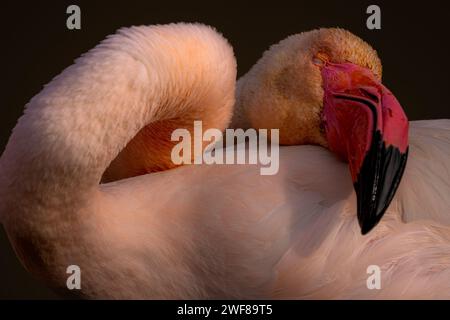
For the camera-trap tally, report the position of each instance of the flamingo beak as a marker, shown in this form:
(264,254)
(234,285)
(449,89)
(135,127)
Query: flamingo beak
(366,126)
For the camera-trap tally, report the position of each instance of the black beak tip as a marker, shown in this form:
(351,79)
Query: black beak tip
(365,229)
(368,220)
(377,183)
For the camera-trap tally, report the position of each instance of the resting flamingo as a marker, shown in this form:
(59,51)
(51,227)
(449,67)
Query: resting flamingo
(225,231)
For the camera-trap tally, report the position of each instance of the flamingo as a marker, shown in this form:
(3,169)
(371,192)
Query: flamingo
(84,177)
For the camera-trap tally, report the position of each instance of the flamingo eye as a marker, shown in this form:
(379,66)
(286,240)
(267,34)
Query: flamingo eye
(318,62)
(320,59)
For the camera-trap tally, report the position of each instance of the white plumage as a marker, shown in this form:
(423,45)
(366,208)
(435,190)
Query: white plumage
(205,231)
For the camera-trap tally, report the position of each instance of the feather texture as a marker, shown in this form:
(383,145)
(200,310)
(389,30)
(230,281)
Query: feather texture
(205,231)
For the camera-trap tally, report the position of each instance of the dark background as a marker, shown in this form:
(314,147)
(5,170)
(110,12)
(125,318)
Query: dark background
(36,46)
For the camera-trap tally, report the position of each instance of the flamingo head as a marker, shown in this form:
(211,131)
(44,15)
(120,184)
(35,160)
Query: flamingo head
(324,87)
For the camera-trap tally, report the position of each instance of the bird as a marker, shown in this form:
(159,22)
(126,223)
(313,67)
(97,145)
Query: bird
(86,177)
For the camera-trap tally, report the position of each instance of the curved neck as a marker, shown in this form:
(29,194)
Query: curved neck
(75,127)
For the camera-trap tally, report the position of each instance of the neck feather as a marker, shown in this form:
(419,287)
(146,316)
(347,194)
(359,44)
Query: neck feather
(73,129)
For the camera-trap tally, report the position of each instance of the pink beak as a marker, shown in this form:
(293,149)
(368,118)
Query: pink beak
(366,126)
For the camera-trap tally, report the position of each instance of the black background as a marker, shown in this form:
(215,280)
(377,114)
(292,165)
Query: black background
(36,46)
